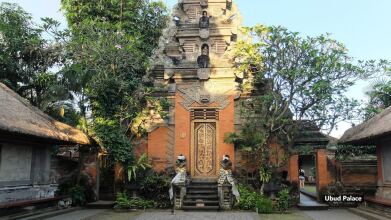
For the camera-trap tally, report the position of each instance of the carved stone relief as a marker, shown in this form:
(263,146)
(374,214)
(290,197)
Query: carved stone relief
(195,94)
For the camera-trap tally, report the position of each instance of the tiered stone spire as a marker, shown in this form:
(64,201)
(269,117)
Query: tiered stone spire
(196,47)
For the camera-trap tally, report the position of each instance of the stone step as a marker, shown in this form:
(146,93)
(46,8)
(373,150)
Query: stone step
(202,187)
(101,205)
(199,191)
(201,196)
(203,181)
(195,208)
(302,206)
(309,203)
(206,202)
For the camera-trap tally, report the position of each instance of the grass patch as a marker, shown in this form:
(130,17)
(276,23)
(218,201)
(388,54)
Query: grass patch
(310,188)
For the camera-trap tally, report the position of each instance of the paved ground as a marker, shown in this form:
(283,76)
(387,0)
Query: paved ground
(79,214)
(308,201)
(332,214)
(93,214)
(198,216)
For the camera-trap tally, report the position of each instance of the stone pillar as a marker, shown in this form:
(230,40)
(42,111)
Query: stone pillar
(293,177)
(321,172)
(379,166)
(293,169)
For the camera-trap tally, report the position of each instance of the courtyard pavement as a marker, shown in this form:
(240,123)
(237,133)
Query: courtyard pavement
(94,214)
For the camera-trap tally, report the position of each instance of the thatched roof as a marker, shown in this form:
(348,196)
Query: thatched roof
(19,117)
(374,128)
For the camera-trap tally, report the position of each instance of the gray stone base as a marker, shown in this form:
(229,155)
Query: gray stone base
(384,192)
(26,193)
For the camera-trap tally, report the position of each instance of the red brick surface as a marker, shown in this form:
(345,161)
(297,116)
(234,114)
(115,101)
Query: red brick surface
(322,177)
(157,148)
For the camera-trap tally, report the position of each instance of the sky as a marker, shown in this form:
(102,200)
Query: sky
(362,25)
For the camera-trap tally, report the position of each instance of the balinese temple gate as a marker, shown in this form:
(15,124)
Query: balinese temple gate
(194,69)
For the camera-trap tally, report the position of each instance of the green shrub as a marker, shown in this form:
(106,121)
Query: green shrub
(345,152)
(78,196)
(248,198)
(155,187)
(283,200)
(264,205)
(251,200)
(124,202)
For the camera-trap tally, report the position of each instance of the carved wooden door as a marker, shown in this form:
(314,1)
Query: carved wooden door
(204,149)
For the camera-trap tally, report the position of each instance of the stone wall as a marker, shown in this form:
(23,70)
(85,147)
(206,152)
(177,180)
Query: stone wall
(15,163)
(384,164)
(25,172)
(358,173)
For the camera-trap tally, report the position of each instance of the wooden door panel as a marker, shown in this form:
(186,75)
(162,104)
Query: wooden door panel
(205,149)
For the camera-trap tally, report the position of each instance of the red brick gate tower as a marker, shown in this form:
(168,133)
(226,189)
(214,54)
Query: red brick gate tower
(194,71)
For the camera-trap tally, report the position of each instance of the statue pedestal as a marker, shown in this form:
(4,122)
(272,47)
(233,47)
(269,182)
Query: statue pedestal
(226,199)
(203,73)
(204,33)
(179,195)
(172,88)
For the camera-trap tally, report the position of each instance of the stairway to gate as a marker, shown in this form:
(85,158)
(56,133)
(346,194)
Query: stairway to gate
(201,194)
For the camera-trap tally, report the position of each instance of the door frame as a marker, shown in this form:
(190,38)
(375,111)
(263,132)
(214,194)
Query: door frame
(192,146)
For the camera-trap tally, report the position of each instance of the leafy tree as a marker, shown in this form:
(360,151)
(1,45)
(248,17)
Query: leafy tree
(142,20)
(379,97)
(292,78)
(29,57)
(108,50)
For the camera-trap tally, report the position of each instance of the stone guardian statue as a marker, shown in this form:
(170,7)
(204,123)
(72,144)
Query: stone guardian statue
(204,60)
(225,175)
(180,177)
(204,20)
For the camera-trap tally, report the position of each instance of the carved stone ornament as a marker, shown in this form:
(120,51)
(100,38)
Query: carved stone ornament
(204,3)
(204,33)
(203,73)
(196,94)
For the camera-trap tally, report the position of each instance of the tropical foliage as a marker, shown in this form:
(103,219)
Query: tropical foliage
(138,166)
(345,152)
(292,79)
(28,55)
(109,46)
(251,200)
(124,202)
(379,96)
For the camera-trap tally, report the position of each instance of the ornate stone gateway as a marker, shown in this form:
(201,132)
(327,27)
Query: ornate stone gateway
(194,70)
(204,163)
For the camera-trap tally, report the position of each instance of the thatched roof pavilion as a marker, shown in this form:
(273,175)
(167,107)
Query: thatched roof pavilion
(367,133)
(19,119)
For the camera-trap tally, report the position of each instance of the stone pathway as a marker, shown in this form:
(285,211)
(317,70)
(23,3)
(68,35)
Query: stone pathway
(180,215)
(331,214)
(94,214)
(309,203)
(78,215)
